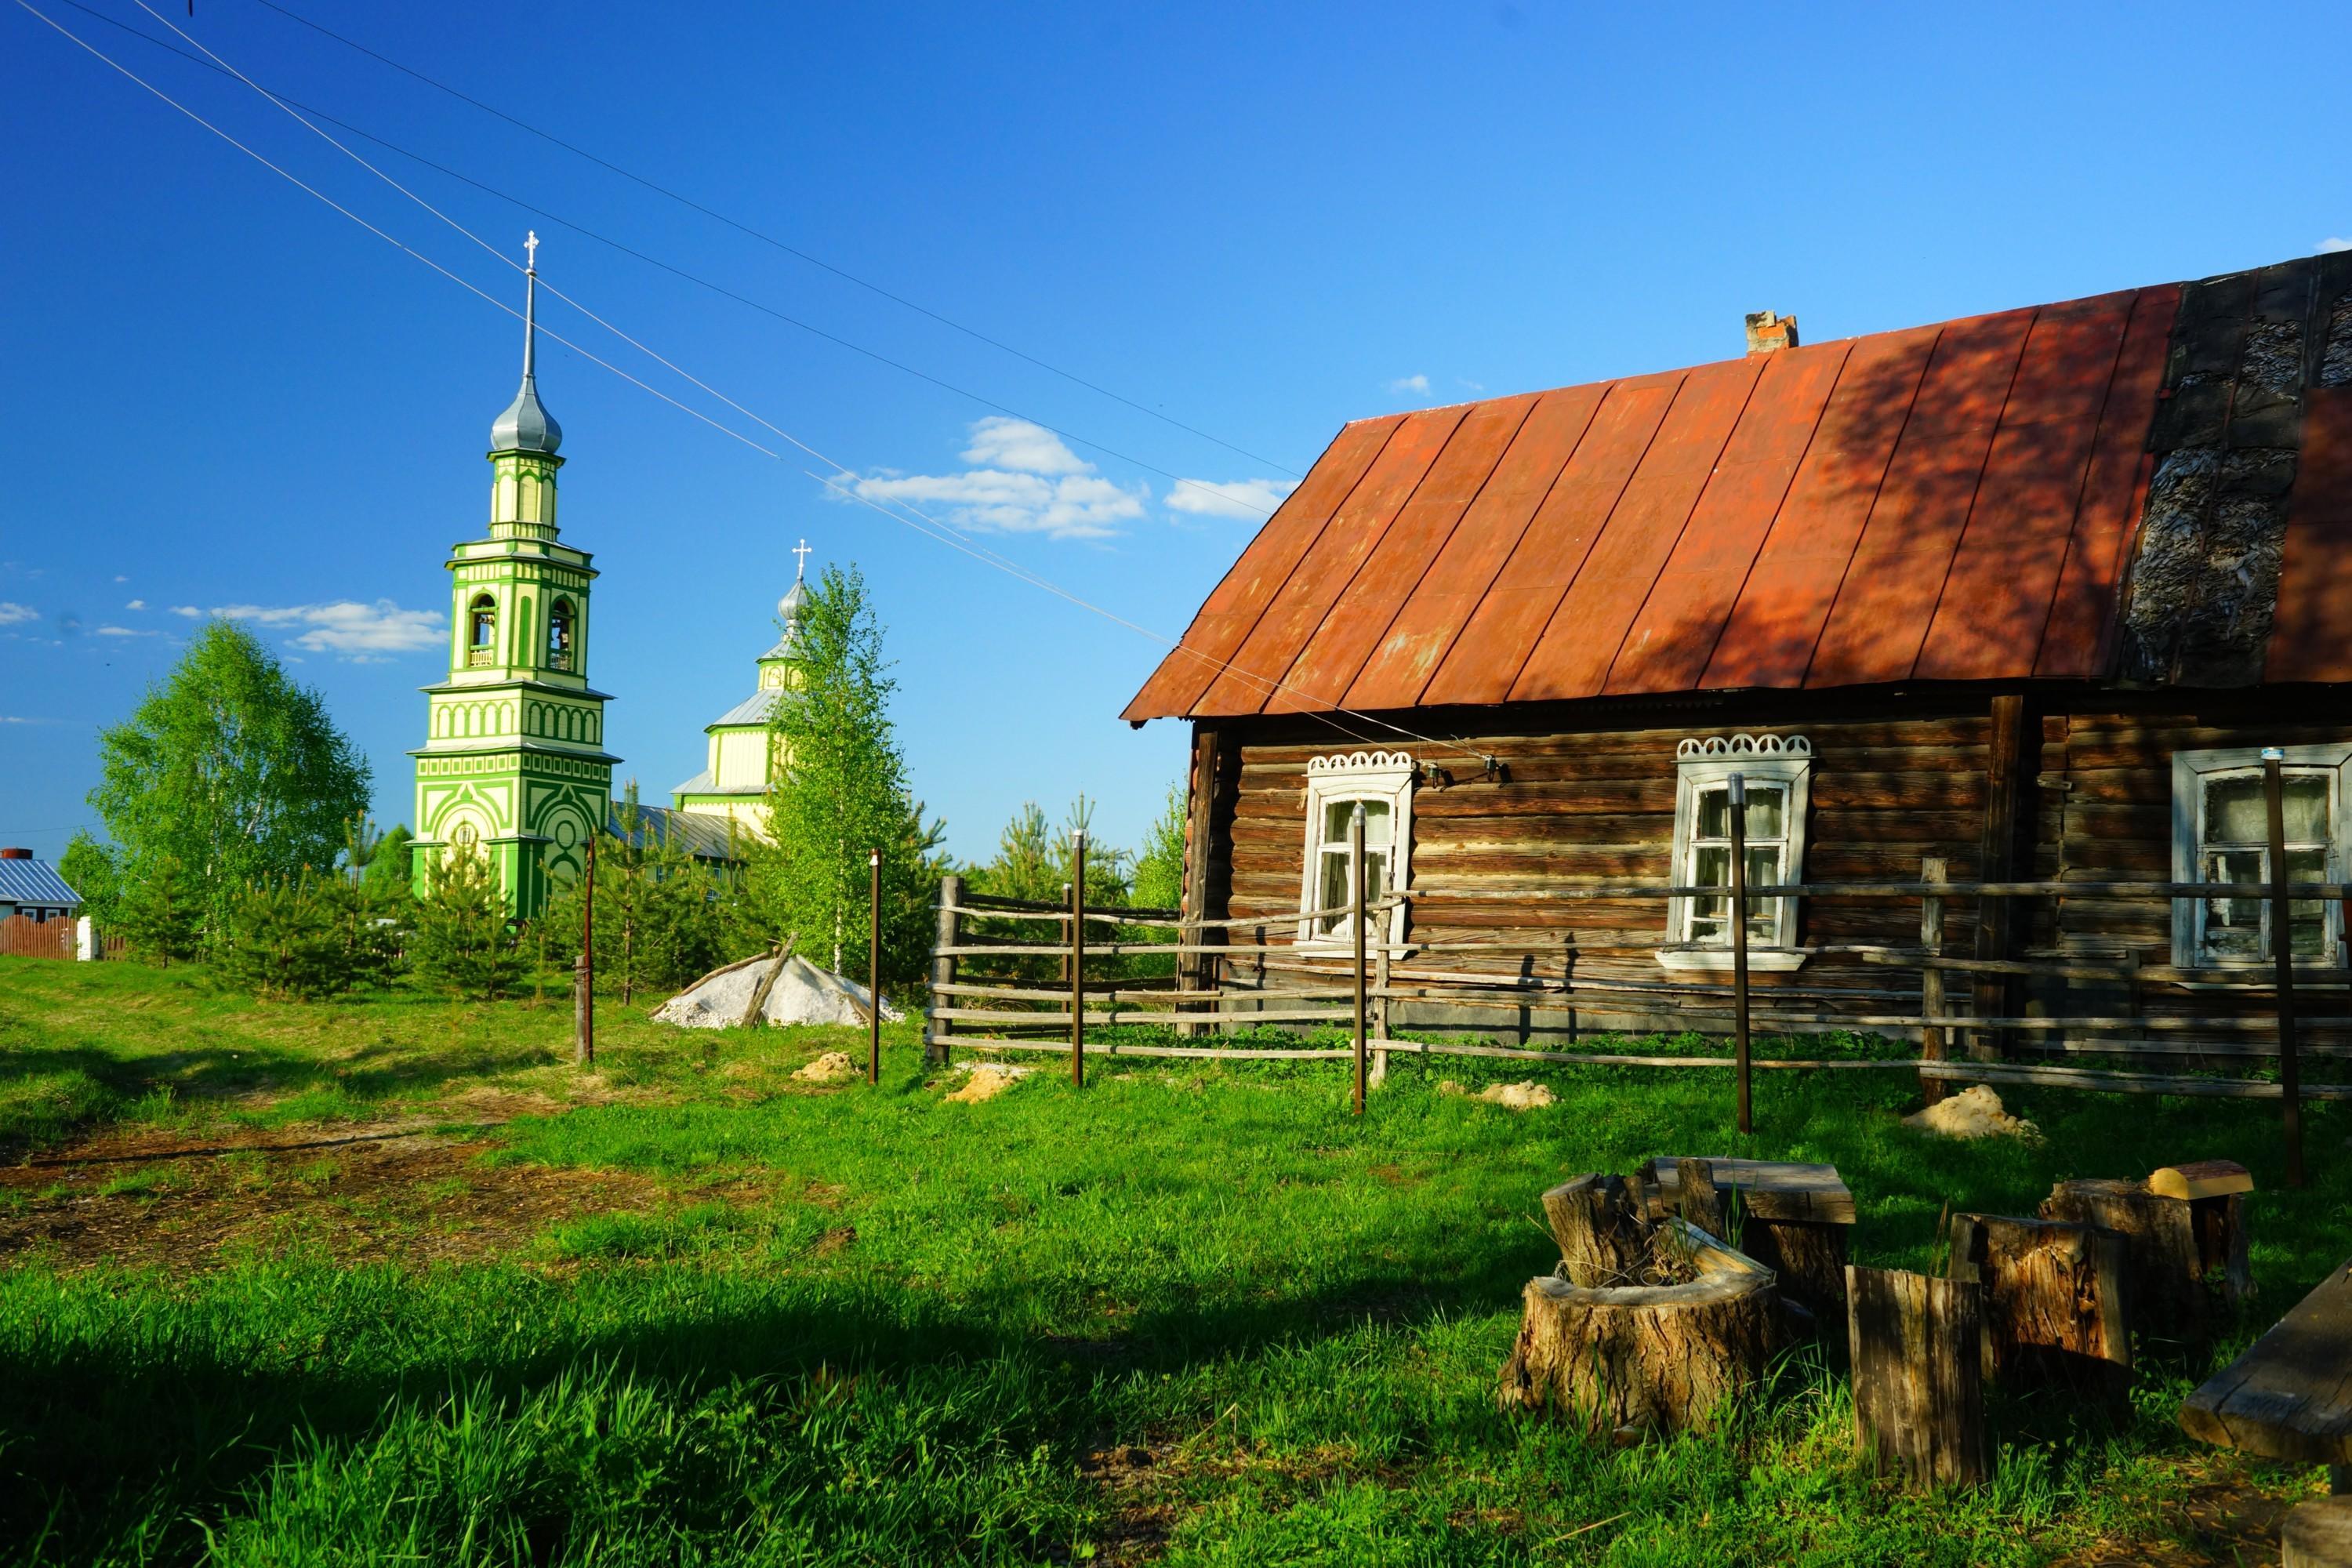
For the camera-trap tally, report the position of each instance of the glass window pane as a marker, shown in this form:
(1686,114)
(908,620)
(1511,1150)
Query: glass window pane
(1376,822)
(2234,812)
(1708,920)
(2307,919)
(1767,810)
(2305,802)
(1714,813)
(1334,891)
(2233,926)
(1711,865)
(1336,814)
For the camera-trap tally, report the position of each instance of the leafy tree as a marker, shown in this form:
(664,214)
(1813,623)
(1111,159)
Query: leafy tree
(1033,861)
(229,769)
(389,870)
(462,940)
(89,869)
(1160,866)
(839,790)
(159,913)
(283,939)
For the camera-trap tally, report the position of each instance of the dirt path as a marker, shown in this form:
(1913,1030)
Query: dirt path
(401,1191)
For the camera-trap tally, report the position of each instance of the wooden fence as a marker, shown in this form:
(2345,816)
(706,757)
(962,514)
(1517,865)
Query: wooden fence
(2234,1032)
(22,937)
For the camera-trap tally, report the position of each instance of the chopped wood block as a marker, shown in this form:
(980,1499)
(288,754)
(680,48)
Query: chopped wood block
(1919,1384)
(2054,1302)
(2290,1395)
(2317,1534)
(1791,1217)
(2187,1256)
(2202,1179)
(1769,1189)
(1654,1357)
(1698,1197)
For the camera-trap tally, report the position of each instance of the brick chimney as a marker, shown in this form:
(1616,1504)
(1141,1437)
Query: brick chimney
(1770,332)
(15,855)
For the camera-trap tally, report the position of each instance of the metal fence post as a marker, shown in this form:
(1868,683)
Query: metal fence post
(1356,870)
(2283,958)
(1738,794)
(584,1007)
(1078,959)
(1932,872)
(874,972)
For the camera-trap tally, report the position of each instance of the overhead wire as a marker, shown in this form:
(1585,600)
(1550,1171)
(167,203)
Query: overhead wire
(765,239)
(937,530)
(1221,496)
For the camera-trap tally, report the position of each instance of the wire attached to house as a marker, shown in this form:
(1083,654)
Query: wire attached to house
(817,261)
(930,527)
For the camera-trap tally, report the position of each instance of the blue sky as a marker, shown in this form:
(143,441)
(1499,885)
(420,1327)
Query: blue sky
(1260,222)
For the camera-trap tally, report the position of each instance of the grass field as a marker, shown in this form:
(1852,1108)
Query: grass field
(390,1280)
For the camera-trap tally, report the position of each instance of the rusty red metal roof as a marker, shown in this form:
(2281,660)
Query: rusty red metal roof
(1949,502)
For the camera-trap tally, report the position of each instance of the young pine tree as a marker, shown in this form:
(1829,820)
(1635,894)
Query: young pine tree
(280,939)
(462,941)
(159,913)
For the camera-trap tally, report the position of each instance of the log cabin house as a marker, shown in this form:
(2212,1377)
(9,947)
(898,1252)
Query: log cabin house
(2026,593)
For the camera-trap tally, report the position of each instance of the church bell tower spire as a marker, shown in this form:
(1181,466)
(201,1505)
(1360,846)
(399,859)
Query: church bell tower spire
(515,766)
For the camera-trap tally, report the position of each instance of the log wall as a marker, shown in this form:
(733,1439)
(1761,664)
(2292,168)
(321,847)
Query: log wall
(1897,778)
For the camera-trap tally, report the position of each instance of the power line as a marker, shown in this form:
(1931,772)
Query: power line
(942,533)
(219,67)
(769,239)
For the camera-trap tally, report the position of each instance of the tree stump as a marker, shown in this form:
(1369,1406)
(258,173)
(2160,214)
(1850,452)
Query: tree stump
(1664,1357)
(1918,1388)
(2055,1300)
(2317,1534)
(2188,1255)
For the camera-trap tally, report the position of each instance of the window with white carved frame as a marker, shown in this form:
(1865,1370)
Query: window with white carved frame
(2221,832)
(1382,783)
(1777,772)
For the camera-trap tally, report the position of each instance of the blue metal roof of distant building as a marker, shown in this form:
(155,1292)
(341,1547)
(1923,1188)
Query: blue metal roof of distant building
(35,882)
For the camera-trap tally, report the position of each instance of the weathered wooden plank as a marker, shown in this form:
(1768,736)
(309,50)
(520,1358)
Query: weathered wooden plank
(1918,1390)
(2055,1299)
(2290,1395)
(1769,1189)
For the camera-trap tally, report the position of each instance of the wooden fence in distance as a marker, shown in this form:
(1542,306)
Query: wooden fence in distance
(21,937)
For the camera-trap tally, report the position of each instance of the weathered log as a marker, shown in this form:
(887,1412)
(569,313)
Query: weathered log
(1661,1357)
(1600,1226)
(2201,1178)
(2056,1303)
(2317,1534)
(2288,1396)
(2187,1256)
(1919,1382)
(1701,1205)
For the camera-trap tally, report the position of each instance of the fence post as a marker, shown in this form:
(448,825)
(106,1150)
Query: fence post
(2282,959)
(583,1019)
(1932,872)
(945,936)
(1363,918)
(1380,961)
(874,973)
(1737,790)
(1078,959)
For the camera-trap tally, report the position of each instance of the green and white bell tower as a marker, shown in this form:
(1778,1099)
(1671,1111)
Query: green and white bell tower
(515,765)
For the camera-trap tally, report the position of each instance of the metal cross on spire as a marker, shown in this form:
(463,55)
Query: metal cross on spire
(531,250)
(803,551)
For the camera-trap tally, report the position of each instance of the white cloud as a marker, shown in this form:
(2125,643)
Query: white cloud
(1410,383)
(2333,242)
(122,579)
(1473,385)
(12,614)
(1251,501)
(1001,442)
(136,604)
(1028,481)
(188,610)
(356,631)
(122,632)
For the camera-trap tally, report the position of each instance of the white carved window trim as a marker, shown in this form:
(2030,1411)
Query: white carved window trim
(2190,770)
(1384,776)
(1703,763)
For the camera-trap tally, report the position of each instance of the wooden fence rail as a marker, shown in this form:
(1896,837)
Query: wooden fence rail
(1352,976)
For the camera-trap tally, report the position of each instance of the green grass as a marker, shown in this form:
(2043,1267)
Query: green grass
(1192,1314)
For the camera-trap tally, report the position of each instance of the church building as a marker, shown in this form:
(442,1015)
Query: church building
(514,765)
(734,787)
